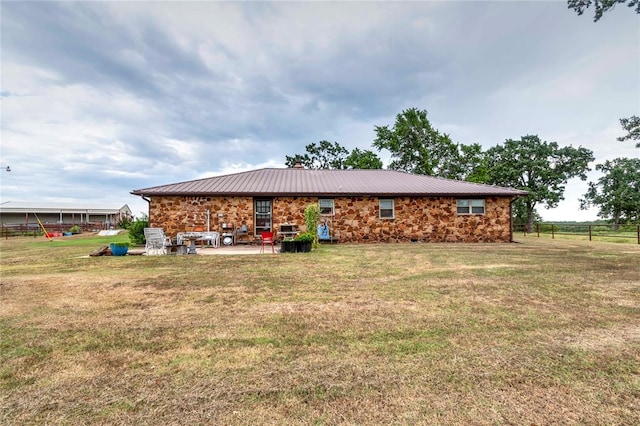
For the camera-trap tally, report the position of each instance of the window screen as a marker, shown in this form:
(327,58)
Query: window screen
(472,206)
(326,206)
(386,209)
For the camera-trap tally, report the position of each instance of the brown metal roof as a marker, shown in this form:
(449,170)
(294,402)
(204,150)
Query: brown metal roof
(306,182)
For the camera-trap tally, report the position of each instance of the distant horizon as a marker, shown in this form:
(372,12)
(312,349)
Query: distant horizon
(137,211)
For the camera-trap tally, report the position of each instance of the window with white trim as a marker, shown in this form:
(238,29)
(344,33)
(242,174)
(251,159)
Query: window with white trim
(326,206)
(386,209)
(471,206)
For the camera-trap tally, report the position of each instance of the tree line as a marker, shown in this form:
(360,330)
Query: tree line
(542,168)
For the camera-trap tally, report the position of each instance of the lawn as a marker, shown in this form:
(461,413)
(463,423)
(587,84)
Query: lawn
(536,332)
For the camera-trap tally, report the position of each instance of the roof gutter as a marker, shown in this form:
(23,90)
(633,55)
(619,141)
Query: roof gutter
(328,194)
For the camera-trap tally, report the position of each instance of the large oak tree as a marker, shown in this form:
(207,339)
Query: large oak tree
(327,155)
(417,147)
(617,192)
(359,159)
(539,167)
(323,155)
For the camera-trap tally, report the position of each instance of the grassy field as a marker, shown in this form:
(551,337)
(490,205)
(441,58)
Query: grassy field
(537,332)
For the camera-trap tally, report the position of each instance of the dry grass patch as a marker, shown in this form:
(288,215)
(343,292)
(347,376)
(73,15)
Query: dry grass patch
(606,339)
(539,332)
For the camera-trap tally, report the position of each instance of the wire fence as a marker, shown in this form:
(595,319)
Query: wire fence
(607,232)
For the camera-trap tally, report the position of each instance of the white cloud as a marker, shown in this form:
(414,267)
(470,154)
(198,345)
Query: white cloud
(102,98)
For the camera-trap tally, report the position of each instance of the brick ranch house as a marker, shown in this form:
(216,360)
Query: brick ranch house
(358,205)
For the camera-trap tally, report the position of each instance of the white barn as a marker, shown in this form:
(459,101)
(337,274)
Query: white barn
(24,213)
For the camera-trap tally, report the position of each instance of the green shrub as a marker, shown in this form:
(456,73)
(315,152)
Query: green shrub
(75,229)
(305,237)
(136,230)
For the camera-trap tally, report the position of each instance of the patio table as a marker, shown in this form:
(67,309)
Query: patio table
(191,238)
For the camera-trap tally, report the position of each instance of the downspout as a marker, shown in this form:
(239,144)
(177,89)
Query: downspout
(148,200)
(511,218)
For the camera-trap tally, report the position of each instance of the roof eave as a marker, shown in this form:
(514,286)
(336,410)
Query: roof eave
(327,194)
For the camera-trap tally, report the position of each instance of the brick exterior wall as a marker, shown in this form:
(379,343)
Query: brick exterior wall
(356,219)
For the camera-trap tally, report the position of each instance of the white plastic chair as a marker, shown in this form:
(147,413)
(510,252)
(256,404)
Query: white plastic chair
(179,237)
(156,241)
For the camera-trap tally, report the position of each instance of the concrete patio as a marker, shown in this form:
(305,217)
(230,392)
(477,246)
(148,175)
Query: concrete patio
(234,250)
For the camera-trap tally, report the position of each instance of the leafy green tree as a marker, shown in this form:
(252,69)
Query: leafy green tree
(366,159)
(617,193)
(632,126)
(600,6)
(124,222)
(473,163)
(324,155)
(416,147)
(539,167)
(302,159)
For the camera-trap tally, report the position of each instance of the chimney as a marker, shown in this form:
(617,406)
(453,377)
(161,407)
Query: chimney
(298,165)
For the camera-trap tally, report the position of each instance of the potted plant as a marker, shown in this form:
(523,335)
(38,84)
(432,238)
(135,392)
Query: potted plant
(287,246)
(119,249)
(303,242)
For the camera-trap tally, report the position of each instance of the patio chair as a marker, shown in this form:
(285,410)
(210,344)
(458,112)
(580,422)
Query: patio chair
(179,239)
(267,239)
(212,237)
(156,241)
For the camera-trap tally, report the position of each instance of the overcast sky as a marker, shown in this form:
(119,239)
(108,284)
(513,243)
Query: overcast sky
(101,98)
